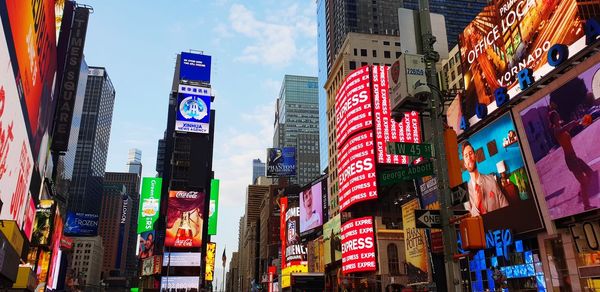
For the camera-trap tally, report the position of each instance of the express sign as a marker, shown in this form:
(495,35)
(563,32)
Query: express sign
(357,176)
(358,246)
(353,105)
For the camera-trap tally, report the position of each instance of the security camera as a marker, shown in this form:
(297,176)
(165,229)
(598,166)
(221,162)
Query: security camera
(422,93)
(398,116)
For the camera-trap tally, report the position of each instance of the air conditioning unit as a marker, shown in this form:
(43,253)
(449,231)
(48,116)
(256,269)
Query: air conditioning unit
(408,83)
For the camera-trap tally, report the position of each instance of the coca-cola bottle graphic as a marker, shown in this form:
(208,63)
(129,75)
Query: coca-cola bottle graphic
(184,232)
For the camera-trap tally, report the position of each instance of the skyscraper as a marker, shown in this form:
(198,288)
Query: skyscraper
(297,124)
(258,169)
(134,161)
(85,193)
(114,228)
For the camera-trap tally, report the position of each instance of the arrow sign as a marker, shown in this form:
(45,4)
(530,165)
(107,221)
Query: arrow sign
(428,219)
(410,149)
(459,194)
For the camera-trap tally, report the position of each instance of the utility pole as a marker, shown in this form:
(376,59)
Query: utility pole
(437,106)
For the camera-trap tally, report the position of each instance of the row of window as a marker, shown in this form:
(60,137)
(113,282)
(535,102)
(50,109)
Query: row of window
(386,54)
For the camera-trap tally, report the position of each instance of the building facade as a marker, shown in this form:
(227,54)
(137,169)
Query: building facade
(85,193)
(258,169)
(114,228)
(87,253)
(134,161)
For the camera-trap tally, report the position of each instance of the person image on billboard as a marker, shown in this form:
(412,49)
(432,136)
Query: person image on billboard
(146,245)
(485,195)
(310,217)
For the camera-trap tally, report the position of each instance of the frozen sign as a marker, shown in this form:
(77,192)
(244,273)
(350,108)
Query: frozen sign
(193,109)
(358,246)
(353,105)
(357,176)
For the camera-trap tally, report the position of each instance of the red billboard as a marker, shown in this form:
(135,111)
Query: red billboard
(386,129)
(353,105)
(185,219)
(358,246)
(357,178)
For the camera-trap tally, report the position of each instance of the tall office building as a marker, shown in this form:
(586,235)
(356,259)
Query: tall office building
(297,124)
(258,169)
(114,229)
(134,161)
(85,190)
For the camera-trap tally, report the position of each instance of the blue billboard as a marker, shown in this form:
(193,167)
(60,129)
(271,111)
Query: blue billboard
(281,161)
(81,224)
(193,109)
(194,67)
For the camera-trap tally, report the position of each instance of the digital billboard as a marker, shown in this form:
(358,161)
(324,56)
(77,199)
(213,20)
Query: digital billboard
(81,224)
(56,252)
(509,36)
(353,105)
(209,271)
(179,284)
(281,161)
(332,241)
(146,246)
(33,45)
(185,219)
(358,246)
(44,220)
(295,250)
(357,178)
(561,129)
(193,109)
(182,259)
(213,207)
(283,206)
(386,129)
(312,207)
(194,67)
(29,218)
(415,245)
(149,203)
(498,183)
(16,160)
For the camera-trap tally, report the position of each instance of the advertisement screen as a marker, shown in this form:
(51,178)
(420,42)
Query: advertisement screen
(353,105)
(181,259)
(295,250)
(415,245)
(358,246)
(509,36)
(311,207)
(561,129)
(149,203)
(56,253)
(213,208)
(16,160)
(179,284)
(146,247)
(29,219)
(281,161)
(44,220)
(283,206)
(357,176)
(386,129)
(332,241)
(81,224)
(498,184)
(209,271)
(194,67)
(185,219)
(193,109)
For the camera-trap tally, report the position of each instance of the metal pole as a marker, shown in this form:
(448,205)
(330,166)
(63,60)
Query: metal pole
(436,105)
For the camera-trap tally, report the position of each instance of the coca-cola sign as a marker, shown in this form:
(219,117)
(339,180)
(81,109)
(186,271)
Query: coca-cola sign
(186,195)
(185,216)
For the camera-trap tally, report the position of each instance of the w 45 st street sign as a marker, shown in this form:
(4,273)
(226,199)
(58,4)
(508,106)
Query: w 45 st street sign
(405,173)
(410,149)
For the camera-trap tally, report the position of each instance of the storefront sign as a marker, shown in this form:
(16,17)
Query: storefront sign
(586,236)
(358,246)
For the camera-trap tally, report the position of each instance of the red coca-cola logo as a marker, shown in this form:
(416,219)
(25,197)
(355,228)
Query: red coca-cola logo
(183,242)
(186,195)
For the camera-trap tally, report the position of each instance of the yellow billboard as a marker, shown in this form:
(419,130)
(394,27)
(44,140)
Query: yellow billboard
(287,272)
(211,247)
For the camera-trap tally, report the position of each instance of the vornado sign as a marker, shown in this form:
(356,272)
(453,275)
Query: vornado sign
(70,78)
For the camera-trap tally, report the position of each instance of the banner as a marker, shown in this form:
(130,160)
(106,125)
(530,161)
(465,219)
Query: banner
(332,241)
(358,246)
(281,161)
(353,105)
(81,224)
(283,206)
(44,220)
(149,203)
(209,271)
(295,250)
(415,245)
(357,178)
(213,208)
(194,67)
(185,219)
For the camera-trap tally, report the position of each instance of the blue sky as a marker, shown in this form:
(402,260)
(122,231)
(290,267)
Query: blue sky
(253,44)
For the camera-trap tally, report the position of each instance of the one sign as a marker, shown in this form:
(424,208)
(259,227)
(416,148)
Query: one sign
(410,149)
(81,224)
(209,271)
(358,246)
(213,208)
(184,219)
(459,194)
(193,109)
(406,173)
(428,218)
(281,161)
(194,67)
(357,177)
(149,203)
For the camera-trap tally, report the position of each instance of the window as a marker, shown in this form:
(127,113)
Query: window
(374,53)
(363,64)
(355,52)
(398,54)
(393,261)
(387,54)
(363,52)
(386,43)
(397,44)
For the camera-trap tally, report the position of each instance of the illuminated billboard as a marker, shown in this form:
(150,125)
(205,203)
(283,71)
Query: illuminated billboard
(193,109)
(415,245)
(185,219)
(332,241)
(561,129)
(182,259)
(497,180)
(295,250)
(357,178)
(56,252)
(16,160)
(312,207)
(44,220)
(81,224)
(194,67)
(353,105)
(213,207)
(358,246)
(509,36)
(209,271)
(281,161)
(146,246)
(149,203)
(179,284)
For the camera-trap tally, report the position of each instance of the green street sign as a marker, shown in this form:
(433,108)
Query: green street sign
(406,173)
(410,149)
